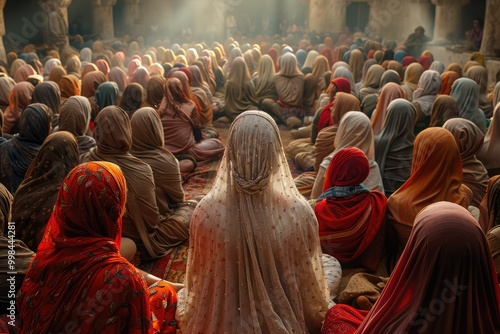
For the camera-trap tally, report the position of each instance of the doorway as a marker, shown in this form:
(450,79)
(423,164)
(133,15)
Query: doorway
(358,15)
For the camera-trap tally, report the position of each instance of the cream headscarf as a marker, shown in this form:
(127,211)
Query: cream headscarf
(254,263)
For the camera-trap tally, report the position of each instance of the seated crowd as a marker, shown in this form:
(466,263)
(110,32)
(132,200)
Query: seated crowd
(392,224)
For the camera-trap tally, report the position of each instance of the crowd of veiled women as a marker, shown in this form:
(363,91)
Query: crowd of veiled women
(391,225)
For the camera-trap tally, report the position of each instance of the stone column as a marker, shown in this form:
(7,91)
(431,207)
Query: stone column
(491,32)
(103,18)
(448,20)
(3,55)
(131,17)
(63,9)
(327,15)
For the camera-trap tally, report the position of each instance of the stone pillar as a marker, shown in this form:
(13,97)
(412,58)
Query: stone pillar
(63,9)
(327,15)
(448,20)
(103,18)
(3,55)
(491,32)
(131,16)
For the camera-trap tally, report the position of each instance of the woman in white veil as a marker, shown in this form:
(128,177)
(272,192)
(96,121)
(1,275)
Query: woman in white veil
(254,262)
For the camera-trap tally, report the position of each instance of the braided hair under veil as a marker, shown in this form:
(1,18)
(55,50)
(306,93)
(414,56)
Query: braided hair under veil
(254,263)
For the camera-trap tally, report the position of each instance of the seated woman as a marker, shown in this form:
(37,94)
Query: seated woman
(444,108)
(78,280)
(19,98)
(480,75)
(142,222)
(427,293)
(23,254)
(241,258)
(469,141)
(133,98)
(148,145)
(75,118)
(302,150)
(202,93)
(493,237)
(489,208)
(35,124)
(106,95)
(394,145)
(389,92)
(314,84)
(181,126)
(240,90)
(70,86)
(204,112)
(354,130)
(351,218)
(491,146)
(289,83)
(412,76)
(372,82)
(436,175)
(466,92)
(155,92)
(448,78)
(424,97)
(265,88)
(36,196)
(49,93)
(324,145)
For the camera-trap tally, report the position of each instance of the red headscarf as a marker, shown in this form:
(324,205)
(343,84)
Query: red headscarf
(343,86)
(425,62)
(78,279)
(327,53)
(103,66)
(132,66)
(409,60)
(351,228)
(448,78)
(274,55)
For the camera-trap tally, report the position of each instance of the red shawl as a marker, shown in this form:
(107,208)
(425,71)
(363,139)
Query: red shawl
(445,282)
(351,228)
(78,280)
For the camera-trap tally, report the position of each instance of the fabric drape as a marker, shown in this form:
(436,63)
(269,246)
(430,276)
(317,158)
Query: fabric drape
(37,194)
(435,154)
(235,232)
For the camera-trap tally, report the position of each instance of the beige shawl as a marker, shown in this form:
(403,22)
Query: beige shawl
(141,221)
(254,267)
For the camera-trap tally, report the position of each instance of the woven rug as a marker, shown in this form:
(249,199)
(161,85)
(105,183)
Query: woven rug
(171,267)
